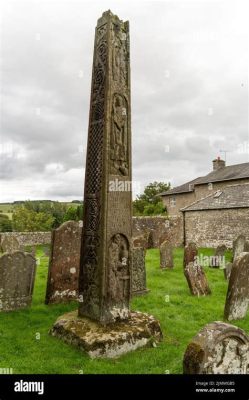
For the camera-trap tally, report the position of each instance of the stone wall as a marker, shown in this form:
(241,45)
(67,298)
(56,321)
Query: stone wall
(158,228)
(29,238)
(211,228)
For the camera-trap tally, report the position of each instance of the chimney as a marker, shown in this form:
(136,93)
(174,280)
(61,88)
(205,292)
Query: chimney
(218,164)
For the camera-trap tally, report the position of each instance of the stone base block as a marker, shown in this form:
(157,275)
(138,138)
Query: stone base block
(108,341)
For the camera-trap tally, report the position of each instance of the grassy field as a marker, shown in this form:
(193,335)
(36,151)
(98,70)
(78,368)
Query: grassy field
(26,347)
(8,208)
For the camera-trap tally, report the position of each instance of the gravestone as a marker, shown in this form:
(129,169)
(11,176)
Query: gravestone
(190,253)
(10,244)
(17,276)
(218,260)
(196,279)
(227,270)
(138,271)
(220,250)
(246,247)
(64,264)
(166,255)
(219,348)
(104,326)
(140,241)
(237,299)
(238,246)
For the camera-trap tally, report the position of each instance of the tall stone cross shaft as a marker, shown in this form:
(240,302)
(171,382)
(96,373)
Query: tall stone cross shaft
(105,270)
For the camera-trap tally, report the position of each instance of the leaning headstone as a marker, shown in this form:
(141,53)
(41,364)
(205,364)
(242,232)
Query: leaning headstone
(10,244)
(64,264)
(237,299)
(17,276)
(190,253)
(104,326)
(138,271)
(196,279)
(219,348)
(238,246)
(166,255)
(227,270)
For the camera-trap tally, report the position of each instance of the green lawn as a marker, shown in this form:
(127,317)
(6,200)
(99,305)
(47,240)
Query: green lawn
(181,316)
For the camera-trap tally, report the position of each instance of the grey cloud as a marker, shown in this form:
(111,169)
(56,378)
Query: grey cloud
(189,90)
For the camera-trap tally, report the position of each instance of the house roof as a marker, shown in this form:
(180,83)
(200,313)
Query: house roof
(232,196)
(231,172)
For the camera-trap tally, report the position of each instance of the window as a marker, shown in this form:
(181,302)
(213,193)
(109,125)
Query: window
(191,187)
(173,201)
(210,186)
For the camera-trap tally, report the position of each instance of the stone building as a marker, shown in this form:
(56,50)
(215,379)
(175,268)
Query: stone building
(192,191)
(218,218)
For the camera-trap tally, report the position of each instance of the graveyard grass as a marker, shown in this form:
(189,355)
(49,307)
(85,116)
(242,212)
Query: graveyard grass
(26,347)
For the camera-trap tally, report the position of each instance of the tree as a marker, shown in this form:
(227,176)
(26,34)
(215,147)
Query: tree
(5,223)
(27,220)
(55,209)
(150,203)
(73,214)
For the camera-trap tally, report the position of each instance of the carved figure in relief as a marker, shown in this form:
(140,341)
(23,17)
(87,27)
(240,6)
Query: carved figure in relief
(119,268)
(119,69)
(119,136)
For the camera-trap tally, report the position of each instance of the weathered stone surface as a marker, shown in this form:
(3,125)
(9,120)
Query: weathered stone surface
(166,255)
(220,250)
(108,341)
(213,227)
(106,255)
(190,254)
(9,244)
(64,265)
(218,260)
(237,299)
(141,241)
(238,246)
(17,276)
(227,270)
(29,238)
(105,326)
(196,279)
(219,348)
(246,247)
(138,271)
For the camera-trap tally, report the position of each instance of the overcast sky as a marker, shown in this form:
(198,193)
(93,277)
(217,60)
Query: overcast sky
(189,76)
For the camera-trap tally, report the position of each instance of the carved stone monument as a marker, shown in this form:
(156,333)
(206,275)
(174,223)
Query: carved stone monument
(166,255)
(237,300)
(106,256)
(218,348)
(196,279)
(138,271)
(64,265)
(17,276)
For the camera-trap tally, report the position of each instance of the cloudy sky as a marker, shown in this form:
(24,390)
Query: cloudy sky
(189,66)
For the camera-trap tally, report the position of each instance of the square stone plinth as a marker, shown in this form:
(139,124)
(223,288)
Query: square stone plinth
(108,341)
